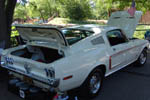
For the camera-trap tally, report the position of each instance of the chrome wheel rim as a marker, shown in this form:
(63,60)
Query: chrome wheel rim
(95,83)
(142,58)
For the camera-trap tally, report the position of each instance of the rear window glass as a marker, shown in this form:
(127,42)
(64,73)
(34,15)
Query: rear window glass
(75,35)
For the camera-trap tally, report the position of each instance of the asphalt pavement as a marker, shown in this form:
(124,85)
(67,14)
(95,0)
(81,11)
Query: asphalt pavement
(130,83)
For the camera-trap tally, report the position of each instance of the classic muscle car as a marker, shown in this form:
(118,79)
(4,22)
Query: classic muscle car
(76,57)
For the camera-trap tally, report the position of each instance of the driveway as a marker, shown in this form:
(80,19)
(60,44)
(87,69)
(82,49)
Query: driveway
(130,83)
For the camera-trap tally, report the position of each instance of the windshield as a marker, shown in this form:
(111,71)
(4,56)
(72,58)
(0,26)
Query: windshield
(75,35)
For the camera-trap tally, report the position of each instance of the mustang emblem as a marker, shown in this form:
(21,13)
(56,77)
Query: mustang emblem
(27,68)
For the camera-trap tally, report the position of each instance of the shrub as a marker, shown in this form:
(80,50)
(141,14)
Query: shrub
(77,9)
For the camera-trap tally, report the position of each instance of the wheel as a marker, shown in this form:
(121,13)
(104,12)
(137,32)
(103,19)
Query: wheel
(92,86)
(142,58)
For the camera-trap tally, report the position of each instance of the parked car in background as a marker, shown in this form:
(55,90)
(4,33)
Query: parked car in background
(75,57)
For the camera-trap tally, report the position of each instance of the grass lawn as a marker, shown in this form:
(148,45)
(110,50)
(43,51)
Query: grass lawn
(59,21)
(141,31)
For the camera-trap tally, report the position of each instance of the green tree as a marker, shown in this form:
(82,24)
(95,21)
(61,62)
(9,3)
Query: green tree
(76,9)
(20,11)
(142,5)
(42,8)
(100,9)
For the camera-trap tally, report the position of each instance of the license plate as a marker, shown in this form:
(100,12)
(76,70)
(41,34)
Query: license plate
(22,94)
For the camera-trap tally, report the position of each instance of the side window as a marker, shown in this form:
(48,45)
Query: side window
(115,37)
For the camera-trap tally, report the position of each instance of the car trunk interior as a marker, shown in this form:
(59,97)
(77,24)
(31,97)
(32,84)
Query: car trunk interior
(40,54)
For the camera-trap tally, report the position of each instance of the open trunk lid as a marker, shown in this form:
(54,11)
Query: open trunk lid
(42,34)
(123,20)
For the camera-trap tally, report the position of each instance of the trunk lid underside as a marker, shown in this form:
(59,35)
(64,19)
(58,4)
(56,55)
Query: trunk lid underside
(42,35)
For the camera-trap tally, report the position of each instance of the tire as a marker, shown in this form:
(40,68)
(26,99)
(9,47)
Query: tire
(142,58)
(92,86)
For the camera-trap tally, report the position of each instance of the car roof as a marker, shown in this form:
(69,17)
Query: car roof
(91,27)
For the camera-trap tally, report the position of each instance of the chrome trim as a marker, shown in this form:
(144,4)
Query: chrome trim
(142,58)
(95,83)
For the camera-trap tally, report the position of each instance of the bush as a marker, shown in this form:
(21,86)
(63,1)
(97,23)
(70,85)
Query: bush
(77,9)
(139,34)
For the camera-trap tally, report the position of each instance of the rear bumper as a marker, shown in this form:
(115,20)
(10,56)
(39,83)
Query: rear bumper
(52,82)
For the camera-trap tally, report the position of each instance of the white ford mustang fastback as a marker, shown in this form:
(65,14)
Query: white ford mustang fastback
(76,57)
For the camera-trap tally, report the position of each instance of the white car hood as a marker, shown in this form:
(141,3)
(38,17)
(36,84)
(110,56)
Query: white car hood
(42,34)
(123,20)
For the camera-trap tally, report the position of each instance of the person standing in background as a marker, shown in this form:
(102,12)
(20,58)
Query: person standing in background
(147,35)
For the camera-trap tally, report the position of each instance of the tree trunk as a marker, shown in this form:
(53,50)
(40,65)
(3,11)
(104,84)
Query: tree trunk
(3,25)
(9,16)
(41,15)
(6,17)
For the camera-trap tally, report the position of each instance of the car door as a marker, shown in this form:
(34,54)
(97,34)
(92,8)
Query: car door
(118,51)
(132,52)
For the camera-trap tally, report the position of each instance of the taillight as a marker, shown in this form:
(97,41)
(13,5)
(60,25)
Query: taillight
(0,54)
